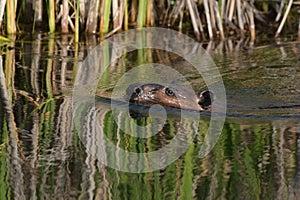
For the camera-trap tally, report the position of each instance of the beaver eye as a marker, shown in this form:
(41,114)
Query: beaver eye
(169,92)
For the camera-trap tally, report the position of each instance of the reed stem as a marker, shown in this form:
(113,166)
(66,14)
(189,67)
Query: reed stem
(105,18)
(288,8)
(240,16)
(115,13)
(141,20)
(149,13)
(65,15)
(193,17)
(219,21)
(77,4)
(11,17)
(209,27)
(38,11)
(125,15)
(92,20)
(133,11)
(251,22)
(51,15)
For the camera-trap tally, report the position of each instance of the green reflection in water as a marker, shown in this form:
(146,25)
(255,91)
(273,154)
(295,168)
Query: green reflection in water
(253,159)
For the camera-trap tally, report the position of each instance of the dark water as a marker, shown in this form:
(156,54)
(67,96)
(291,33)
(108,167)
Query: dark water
(45,154)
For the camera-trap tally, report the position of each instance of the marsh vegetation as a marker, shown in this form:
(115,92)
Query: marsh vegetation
(205,19)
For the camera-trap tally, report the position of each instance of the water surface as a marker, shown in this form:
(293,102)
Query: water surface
(42,154)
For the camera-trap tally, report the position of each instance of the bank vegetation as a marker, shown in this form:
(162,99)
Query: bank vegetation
(206,19)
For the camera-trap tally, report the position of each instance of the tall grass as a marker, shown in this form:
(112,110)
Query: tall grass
(207,18)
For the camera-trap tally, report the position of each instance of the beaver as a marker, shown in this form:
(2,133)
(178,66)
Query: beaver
(175,96)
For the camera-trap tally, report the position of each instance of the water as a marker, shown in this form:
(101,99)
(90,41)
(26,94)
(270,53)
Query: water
(43,155)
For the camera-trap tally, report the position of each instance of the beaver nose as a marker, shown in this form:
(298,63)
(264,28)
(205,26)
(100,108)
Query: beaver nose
(206,98)
(138,91)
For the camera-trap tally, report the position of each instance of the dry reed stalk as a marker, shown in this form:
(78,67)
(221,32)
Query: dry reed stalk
(149,13)
(208,21)
(59,15)
(133,11)
(198,19)
(118,21)
(193,17)
(211,4)
(72,26)
(82,8)
(231,9)
(38,11)
(65,15)
(179,5)
(240,16)
(250,14)
(180,20)
(219,21)
(2,7)
(125,15)
(165,11)
(161,14)
(288,8)
(92,19)
(115,13)
(280,10)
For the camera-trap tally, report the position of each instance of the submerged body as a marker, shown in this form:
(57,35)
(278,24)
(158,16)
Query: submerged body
(169,96)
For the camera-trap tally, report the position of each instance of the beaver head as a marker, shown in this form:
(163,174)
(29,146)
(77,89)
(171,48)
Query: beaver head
(170,96)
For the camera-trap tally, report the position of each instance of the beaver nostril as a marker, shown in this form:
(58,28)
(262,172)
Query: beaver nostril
(138,90)
(206,98)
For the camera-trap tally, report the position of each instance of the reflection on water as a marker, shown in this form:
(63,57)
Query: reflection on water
(43,156)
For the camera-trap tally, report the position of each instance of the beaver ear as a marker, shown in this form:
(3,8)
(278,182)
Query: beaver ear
(206,98)
(132,88)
